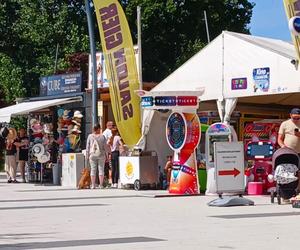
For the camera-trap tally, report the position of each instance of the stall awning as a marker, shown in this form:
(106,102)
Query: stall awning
(27,107)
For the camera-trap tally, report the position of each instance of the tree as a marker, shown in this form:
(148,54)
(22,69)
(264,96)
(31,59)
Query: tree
(172,30)
(34,28)
(10,80)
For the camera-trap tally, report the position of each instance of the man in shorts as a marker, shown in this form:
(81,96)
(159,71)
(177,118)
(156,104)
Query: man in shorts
(22,143)
(289,134)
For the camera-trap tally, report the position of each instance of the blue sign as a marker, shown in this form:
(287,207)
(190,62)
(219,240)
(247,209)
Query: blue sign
(60,84)
(147,101)
(261,77)
(294,25)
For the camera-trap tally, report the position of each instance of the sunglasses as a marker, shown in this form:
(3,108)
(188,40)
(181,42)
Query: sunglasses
(296,118)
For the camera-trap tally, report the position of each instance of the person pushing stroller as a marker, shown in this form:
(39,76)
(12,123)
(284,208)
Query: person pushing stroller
(286,159)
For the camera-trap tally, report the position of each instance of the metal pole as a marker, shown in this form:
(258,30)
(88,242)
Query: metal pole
(94,63)
(139,32)
(206,25)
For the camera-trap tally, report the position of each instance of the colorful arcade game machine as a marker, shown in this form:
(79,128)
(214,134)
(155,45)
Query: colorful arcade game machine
(183,133)
(217,132)
(183,136)
(260,140)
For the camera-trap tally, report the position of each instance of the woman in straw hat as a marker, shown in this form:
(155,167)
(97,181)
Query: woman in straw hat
(10,156)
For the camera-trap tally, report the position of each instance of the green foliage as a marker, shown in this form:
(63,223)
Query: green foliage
(11,84)
(34,28)
(18,122)
(172,29)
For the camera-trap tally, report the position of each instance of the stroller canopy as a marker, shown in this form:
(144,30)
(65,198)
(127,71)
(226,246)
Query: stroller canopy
(284,156)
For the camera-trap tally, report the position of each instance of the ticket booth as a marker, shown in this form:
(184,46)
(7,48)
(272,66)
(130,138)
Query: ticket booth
(217,132)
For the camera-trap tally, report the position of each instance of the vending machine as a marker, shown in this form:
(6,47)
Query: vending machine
(217,132)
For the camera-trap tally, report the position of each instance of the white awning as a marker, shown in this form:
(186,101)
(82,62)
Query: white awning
(31,106)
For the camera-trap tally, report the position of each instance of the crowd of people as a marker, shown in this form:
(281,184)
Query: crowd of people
(103,149)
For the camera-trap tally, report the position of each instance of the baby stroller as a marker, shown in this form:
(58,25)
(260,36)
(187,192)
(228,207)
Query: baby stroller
(285,162)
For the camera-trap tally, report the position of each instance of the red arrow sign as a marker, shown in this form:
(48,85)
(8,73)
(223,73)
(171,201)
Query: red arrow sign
(235,172)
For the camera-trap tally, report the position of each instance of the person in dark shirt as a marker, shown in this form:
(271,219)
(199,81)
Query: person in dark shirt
(10,156)
(22,143)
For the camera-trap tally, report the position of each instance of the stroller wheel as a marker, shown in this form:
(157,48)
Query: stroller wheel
(278,200)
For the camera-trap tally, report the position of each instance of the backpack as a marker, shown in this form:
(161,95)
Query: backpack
(95,151)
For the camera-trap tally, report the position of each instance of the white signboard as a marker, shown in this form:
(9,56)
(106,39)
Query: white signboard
(129,169)
(229,164)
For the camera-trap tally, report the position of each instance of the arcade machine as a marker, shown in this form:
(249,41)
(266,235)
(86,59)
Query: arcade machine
(183,136)
(260,139)
(217,132)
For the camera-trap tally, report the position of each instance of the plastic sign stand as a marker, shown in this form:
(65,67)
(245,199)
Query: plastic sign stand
(230,201)
(229,174)
(183,135)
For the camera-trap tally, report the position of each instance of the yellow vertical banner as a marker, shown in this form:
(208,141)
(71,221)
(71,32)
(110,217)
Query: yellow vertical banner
(121,68)
(292,8)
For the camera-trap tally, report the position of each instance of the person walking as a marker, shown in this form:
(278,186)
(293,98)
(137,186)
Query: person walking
(96,154)
(10,156)
(22,143)
(115,143)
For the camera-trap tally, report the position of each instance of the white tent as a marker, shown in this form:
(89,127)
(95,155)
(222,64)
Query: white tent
(230,57)
(235,56)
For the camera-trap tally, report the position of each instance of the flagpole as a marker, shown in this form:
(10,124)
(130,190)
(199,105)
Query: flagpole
(139,33)
(94,62)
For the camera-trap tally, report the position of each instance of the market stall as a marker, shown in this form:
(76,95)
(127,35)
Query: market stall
(56,125)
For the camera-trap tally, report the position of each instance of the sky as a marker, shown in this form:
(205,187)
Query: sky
(269,20)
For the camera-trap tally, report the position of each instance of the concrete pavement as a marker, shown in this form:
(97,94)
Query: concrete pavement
(54,217)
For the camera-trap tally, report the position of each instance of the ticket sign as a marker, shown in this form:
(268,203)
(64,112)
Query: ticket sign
(229,164)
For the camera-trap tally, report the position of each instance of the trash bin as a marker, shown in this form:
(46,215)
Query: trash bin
(56,175)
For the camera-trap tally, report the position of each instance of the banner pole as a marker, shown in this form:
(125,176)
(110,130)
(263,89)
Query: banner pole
(139,45)
(94,62)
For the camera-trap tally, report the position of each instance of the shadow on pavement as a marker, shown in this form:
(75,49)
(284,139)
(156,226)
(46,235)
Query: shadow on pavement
(245,216)
(76,243)
(52,206)
(72,198)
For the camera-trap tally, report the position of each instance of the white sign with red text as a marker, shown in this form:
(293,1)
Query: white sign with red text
(230,165)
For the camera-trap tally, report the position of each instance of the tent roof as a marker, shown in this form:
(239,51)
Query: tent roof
(280,47)
(234,55)
(31,106)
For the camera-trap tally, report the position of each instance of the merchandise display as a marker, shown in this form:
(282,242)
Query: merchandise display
(50,136)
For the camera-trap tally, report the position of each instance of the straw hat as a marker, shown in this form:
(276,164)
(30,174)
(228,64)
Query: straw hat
(77,114)
(76,122)
(12,134)
(76,129)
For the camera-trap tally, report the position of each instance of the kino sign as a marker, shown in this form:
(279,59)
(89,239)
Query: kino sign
(229,166)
